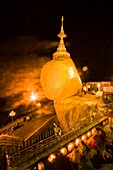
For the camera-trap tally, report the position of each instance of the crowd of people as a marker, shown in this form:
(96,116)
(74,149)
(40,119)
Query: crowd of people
(85,157)
(91,154)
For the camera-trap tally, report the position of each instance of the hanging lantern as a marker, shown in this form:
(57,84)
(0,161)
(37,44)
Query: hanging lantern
(59,77)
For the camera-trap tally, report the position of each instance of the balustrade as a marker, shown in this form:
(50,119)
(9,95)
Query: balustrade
(44,142)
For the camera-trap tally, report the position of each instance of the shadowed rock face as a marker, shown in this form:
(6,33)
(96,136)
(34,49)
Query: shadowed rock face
(21,61)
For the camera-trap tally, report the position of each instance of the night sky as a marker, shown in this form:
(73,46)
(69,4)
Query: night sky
(28,39)
(89,30)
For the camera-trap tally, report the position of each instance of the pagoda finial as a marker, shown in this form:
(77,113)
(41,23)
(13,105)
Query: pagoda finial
(61,50)
(62,34)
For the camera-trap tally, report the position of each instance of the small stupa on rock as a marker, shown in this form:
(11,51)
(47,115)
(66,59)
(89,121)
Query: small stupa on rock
(61,83)
(59,77)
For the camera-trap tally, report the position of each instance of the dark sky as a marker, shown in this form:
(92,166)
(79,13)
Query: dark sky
(89,29)
(43,18)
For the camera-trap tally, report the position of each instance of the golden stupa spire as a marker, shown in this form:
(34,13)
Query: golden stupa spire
(61,50)
(62,34)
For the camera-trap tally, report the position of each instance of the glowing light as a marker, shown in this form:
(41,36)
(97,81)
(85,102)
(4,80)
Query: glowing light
(85,68)
(93,130)
(51,158)
(84,137)
(71,146)
(104,123)
(33,96)
(63,151)
(89,86)
(12,114)
(40,166)
(98,85)
(39,104)
(88,134)
(85,88)
(77,141)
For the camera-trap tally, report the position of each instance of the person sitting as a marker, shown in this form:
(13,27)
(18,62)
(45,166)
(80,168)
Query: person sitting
(97,160)
(76,157)
(83,148)
(107,155)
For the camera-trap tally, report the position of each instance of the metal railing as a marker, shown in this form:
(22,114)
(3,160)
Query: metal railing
(34,151)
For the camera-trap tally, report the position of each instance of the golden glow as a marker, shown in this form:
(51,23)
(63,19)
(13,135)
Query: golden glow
(40,166)
(84,137)
(77,141)
(104,123)
(33,96)
(51,158)
(12,113)
(71,146)
(93,131)
(39,105)
(59,77)
(85,88)
(88,86)
(85,68)
(98,85)
(88,134)
(63,151)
